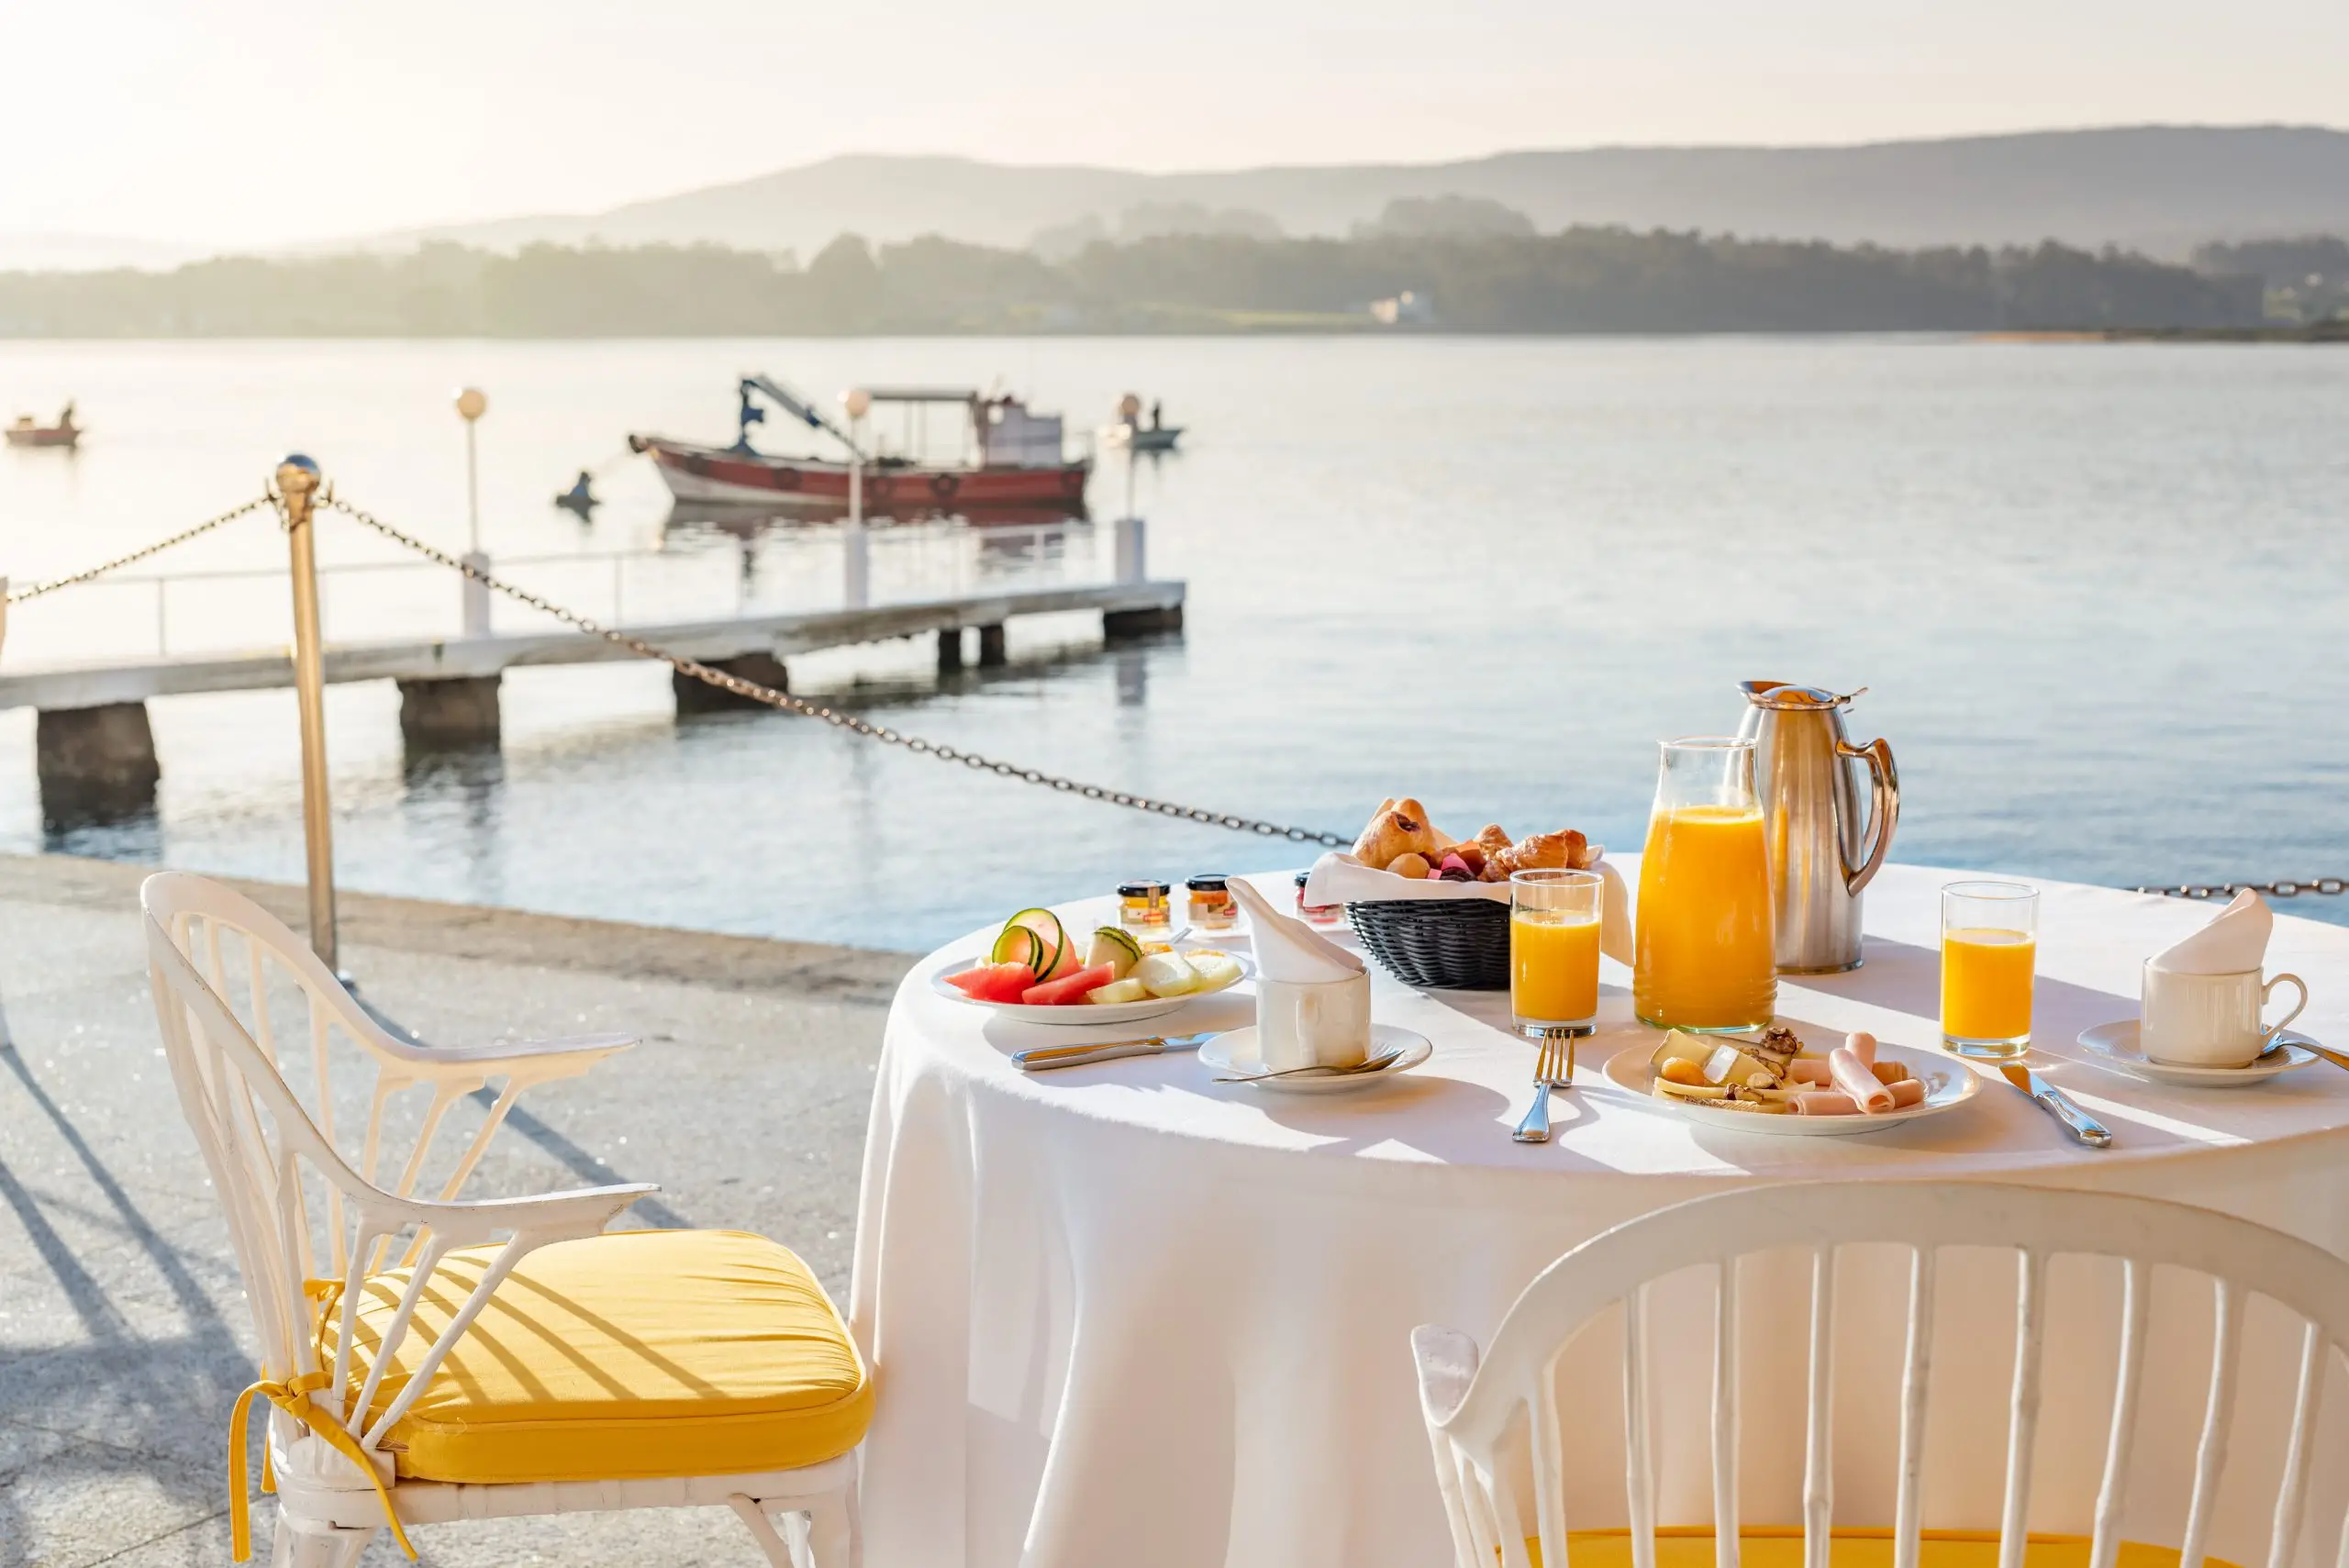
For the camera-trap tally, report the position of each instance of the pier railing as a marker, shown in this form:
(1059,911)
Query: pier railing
(160,614)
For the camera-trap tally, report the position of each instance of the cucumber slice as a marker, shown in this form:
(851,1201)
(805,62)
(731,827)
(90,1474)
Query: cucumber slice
(1114,948)
(1017,944)
(1054,957)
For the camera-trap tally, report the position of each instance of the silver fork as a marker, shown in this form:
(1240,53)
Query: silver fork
(1555,1070)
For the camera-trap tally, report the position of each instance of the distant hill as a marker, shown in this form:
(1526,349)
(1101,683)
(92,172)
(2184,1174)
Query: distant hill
(2161,189)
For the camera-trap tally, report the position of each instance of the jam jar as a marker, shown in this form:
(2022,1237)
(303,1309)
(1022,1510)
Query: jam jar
(1143,909)
(1213,908)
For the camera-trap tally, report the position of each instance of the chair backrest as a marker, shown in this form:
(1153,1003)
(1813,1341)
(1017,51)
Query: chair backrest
(1472,1419)
(229,979)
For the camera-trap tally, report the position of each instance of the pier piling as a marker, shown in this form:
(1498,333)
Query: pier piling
(695,696)
(950,649)
(95,764)
(1117,626)
(452,713)
(991,650)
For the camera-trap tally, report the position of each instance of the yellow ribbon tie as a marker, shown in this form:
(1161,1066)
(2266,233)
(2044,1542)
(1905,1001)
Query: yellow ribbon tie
(292,1396)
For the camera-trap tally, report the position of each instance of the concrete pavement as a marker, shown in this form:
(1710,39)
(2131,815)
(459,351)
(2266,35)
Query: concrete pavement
(123,1332)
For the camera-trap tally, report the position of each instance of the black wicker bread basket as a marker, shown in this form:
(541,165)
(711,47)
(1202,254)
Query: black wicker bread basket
(1456,944)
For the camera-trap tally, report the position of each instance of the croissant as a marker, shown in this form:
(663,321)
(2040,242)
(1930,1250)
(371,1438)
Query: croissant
(1538,852)
(1490,841)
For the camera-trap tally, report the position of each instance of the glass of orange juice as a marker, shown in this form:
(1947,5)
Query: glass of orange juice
(1707,933)
(1553,951)
(1989,947)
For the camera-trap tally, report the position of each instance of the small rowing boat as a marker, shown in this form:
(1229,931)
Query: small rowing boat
(27,432)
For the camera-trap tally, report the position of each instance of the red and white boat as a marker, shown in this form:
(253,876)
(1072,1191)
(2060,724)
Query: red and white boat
(1015,459)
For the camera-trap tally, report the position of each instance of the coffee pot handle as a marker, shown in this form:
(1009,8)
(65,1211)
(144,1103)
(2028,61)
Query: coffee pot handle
(1884,807)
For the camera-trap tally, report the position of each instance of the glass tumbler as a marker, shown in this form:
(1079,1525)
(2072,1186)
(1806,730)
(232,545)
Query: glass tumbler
(1990,947)
(1553,951)
(1706,940)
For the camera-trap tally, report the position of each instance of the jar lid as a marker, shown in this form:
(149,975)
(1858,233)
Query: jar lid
(1207,884)
(1142,889)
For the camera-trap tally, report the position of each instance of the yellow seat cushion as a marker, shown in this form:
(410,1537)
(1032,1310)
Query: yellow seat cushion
(1780,1546)
(631,1354)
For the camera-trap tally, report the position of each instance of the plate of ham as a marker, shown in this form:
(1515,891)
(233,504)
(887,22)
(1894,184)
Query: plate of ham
(1776,1084)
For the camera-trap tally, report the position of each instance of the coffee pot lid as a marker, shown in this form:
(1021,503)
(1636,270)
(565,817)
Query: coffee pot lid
(1782,694)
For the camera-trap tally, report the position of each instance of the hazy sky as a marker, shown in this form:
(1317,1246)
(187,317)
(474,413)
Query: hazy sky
(258,121)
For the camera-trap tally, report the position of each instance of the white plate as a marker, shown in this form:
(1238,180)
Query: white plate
(2116,1043)
(1234,1052)
(1947,1084)
(1093,1012)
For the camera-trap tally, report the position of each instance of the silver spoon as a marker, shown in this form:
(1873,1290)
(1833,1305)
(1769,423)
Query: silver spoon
(1372,1065)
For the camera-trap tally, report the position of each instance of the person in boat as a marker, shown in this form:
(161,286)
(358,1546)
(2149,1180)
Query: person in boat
(65,417)
(581,498)
(1156,422)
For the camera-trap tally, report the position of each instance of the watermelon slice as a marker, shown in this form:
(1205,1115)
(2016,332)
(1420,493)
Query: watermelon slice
(994,981)
(1068,988)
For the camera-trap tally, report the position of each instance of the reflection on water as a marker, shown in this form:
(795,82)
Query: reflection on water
(1487,573)
(748,520)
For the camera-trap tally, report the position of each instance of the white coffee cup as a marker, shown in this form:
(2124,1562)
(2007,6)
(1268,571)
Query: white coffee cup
(2210,1020)
(1322,1023)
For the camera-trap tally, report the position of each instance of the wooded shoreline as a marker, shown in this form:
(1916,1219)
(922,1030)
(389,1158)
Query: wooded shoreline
(1581,280)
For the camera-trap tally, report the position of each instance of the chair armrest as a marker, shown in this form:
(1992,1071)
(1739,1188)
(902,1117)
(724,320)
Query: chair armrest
(541,1216)
(1447,1365)
(586,1050)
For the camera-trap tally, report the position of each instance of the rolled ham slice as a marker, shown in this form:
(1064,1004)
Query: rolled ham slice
(1861,1045)
(1807,1070)
(1834,1102)
(1857,1079)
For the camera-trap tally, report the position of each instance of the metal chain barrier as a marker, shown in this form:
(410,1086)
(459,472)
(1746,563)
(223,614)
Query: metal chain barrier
(38,589)
(2283,889)
(726,681)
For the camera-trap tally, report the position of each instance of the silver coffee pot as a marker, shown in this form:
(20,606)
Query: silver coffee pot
(1820,858)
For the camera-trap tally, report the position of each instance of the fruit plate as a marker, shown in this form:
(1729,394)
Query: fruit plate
(1947,1086)
(1084,1013)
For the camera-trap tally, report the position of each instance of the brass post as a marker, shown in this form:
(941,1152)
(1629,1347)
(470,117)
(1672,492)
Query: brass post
(297,484)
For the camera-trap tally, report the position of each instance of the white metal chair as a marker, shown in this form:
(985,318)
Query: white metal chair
(1489,1414)
(554,1367)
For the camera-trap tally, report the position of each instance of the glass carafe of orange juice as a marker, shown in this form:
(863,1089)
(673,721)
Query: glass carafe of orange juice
(1707,953)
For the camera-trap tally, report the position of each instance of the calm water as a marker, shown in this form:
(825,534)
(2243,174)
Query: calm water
(2097,593)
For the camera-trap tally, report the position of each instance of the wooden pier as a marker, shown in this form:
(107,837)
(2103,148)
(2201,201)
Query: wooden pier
(95,749)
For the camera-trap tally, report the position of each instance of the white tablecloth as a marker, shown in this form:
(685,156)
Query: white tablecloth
(1122,1315)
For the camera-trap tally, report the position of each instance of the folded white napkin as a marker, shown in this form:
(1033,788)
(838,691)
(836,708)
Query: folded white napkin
(1339,878)
(1287,948)
(2235,940)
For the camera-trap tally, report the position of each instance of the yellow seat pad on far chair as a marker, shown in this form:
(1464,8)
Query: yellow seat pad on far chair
(1780,1546)
(623,1356)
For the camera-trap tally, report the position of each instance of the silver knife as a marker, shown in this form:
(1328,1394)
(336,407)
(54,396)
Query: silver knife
(1044,1058)
(2057,1104)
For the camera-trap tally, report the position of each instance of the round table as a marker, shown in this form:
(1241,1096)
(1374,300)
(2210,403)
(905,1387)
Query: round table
(1122,1314)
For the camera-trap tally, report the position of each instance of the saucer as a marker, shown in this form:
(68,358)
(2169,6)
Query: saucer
(2116,1045)
(1234,1052)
